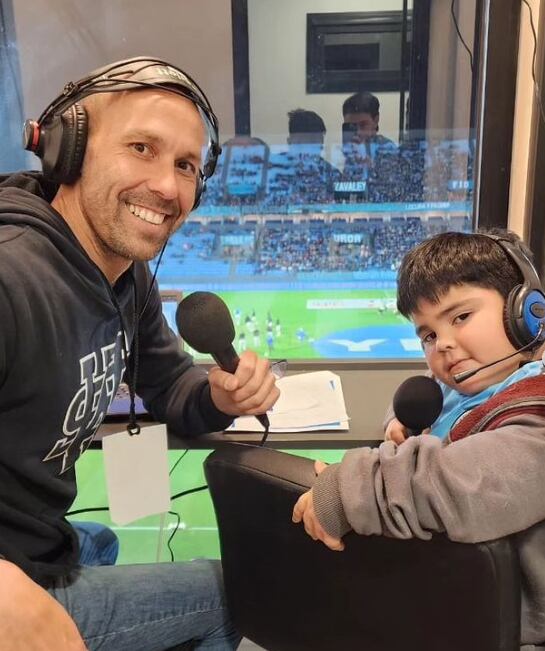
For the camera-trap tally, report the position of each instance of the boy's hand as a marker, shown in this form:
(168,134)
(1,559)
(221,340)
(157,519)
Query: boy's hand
(304,511)
(396,432)
(249,391)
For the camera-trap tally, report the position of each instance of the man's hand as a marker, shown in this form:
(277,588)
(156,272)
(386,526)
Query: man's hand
(251,390)
(304,511)
(396,432)
(30,618)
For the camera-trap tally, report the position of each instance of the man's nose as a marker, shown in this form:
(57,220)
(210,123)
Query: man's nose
(164,182)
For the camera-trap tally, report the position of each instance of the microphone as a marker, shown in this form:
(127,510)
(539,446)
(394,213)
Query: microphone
(465,375)
(204,321)
(417,403)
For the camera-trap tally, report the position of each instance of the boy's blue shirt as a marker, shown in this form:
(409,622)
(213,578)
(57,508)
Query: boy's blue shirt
(456,404)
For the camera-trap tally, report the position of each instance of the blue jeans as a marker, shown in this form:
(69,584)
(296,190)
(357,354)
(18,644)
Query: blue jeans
(149,607)
(98,544)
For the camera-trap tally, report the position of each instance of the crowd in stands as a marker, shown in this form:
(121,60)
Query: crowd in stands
(254,174)
(297,248)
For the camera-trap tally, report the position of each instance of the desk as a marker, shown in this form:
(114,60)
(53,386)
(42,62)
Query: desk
(326,440)
(367,387)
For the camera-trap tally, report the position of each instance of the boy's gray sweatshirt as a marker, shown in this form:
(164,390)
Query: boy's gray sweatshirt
(485,486)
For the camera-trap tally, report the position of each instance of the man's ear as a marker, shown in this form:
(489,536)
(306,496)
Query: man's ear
(377,120)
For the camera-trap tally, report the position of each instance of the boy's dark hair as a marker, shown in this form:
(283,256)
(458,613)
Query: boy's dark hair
(361,103)
(434,266)
(303,121)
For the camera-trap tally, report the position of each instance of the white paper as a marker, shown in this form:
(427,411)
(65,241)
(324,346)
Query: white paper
(307,402)
(137,476)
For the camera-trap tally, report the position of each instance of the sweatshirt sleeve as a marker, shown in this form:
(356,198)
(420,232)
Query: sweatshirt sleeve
(173,388)
(485,486)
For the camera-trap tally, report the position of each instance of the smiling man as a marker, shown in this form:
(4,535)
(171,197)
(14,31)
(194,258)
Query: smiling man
(126,152)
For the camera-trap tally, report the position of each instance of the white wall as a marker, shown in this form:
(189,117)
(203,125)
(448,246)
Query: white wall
(527,116)
(277,53)
(61,40)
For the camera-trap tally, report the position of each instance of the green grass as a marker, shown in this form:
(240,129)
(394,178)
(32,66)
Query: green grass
(291,308)
(139,541)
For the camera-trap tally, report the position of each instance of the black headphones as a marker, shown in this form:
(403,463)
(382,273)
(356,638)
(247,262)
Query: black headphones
(59,136)
(524,313)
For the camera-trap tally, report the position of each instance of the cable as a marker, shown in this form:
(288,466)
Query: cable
(537,89)
(460,35)
(177,462)
(171,537)
(95,508)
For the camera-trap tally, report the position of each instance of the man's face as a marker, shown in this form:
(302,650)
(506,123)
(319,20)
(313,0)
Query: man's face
(364,126)
(139,176)
(463,331)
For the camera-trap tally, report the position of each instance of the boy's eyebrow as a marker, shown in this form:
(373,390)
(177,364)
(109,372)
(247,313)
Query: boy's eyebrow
(450,308)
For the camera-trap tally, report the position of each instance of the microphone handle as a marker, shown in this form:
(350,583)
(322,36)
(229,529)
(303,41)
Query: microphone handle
(228,361)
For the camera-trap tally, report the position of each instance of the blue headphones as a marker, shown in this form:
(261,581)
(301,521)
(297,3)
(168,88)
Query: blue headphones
(524,314)
(59,136)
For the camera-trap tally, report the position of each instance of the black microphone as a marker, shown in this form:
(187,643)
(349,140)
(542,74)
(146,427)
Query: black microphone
(417,403)
(204,321)
(465,375)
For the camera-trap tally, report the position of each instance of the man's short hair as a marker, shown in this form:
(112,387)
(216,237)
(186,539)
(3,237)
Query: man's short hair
(432,267)
(303,121)
(361,103)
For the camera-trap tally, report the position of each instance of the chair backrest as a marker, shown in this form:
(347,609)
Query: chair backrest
(289,593)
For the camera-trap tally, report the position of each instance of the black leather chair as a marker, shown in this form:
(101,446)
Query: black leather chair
(289,593)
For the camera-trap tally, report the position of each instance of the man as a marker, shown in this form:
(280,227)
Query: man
(361,115)
(78,305)
(314,179)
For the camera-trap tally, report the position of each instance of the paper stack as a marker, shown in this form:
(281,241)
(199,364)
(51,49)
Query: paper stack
(307,402)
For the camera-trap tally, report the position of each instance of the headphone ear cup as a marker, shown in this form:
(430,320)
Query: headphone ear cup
(512,329)
(200,188)
(519,331)
(74,141)
(62,145)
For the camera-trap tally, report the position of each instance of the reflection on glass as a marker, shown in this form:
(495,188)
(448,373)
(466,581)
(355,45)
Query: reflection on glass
(303,226)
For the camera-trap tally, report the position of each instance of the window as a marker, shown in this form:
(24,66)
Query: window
(303,226)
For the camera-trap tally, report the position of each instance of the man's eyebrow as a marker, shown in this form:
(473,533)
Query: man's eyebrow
(144,134)
(154,138)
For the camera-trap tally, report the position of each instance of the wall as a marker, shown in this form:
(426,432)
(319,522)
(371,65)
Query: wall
(449,69)
(277,54)
(526,117)
(59,40)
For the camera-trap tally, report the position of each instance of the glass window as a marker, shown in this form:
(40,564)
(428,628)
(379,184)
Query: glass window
(322,188)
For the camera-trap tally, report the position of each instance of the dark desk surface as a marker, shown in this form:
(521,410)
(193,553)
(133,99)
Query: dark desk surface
(297,440)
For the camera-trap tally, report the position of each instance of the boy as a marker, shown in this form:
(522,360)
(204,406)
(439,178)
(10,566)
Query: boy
(476,303)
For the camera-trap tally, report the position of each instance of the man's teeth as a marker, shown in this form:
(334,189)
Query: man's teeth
(146,214)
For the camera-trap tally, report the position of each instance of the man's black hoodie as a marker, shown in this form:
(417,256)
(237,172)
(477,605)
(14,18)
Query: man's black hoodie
(61,361)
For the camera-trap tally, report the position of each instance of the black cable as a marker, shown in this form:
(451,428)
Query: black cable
(171,537)
(453,14)
(189,491)
(537,90)
(95,508)
(177,462)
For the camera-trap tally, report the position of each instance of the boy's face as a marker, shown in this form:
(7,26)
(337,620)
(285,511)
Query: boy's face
(463,331)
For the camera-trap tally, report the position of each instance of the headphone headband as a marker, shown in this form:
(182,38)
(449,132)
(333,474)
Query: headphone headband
(520,259)
(524,312)
(133,74)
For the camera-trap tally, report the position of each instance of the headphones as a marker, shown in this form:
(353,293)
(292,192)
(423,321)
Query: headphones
(524,313)
(59,136)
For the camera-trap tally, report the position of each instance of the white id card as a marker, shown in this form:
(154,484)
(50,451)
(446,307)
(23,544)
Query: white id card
(137,474)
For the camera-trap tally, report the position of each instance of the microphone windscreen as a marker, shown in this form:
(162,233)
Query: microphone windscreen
(418,402)
(205,323)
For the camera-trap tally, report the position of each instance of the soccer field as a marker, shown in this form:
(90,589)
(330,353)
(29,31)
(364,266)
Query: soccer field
(321,324)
